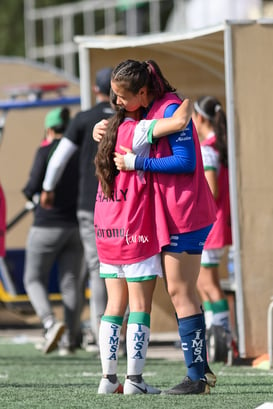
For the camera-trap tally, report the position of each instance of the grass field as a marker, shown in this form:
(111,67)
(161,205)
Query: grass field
(29,380)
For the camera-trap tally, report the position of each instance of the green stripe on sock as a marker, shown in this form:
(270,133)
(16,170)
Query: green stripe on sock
(207,305)
(114,319)
(220,306)
(139,318)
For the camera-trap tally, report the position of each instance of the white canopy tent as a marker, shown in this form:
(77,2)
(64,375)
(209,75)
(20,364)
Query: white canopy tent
(233,62)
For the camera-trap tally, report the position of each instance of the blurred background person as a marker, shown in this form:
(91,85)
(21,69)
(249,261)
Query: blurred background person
(54,237)
(210,121)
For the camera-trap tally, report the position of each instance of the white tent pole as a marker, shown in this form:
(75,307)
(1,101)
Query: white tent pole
(229,84)
(85,80)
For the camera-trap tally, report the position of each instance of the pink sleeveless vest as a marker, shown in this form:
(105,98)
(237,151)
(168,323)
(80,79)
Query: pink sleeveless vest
(187,199)
(220,234)
(2,222)
(126,232)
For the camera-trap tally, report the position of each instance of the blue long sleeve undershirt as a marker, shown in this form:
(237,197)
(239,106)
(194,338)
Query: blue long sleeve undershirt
(183,159)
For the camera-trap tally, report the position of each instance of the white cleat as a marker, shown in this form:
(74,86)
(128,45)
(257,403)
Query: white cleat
(53,336)
(133,388)
(106,387)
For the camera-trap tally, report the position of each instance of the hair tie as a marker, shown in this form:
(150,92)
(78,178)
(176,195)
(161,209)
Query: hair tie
(146,64)
(156,80)
(200,111)
(217,108)
(150,68)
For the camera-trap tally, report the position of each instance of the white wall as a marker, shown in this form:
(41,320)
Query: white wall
(195,14)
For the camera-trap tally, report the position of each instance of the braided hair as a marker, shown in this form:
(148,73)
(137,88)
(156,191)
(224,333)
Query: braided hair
(136,74)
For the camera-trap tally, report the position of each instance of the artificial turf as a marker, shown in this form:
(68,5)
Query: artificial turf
(29,380)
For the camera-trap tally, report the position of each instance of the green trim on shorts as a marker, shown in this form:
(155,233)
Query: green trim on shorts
(220,306)
(138,279)
(108,275)
(150,132)
(139,318)
(208,265)
(113,319)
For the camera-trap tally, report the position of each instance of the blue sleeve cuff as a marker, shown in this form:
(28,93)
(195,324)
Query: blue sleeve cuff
(139,162)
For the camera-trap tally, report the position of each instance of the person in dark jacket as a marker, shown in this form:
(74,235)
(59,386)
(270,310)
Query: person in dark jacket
(54,237)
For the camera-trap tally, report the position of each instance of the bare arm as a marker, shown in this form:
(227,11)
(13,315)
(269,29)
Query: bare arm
(47,199)
(177,122)
(163,127)
(211,177)
(158,128)
(99,130)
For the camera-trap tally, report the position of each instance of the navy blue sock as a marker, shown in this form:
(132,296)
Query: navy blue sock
(192,334)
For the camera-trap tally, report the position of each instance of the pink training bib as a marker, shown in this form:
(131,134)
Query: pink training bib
(126,231)
(187,199)
(220,234)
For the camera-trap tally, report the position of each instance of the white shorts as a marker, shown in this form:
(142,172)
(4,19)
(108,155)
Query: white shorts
(212,258)
(143,270)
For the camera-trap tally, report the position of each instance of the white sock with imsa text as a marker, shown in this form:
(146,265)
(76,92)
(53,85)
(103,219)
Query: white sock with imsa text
(137,341)
(109,339)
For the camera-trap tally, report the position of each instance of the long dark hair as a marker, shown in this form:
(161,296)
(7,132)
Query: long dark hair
(211,109)
(104,160)
(137,74)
